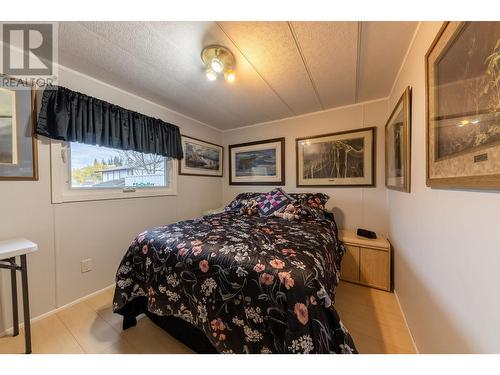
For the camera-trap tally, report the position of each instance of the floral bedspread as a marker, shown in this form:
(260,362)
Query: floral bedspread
(251,284)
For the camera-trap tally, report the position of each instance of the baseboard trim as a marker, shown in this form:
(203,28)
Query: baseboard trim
(10,330)
(406,322)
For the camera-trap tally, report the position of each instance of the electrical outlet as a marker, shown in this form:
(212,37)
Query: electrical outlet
(86,265)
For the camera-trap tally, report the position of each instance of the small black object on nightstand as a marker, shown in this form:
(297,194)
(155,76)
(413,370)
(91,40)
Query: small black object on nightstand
(366,233)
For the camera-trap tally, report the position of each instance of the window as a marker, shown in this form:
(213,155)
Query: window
(95,167)
(86,172)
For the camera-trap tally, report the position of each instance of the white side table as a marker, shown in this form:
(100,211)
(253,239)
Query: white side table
(9,250)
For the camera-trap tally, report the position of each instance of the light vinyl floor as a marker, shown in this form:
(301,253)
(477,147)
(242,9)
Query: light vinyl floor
(373,318)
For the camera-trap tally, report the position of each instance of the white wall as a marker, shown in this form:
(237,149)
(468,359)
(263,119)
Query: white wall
(447,242)
(102,230)
(353,207)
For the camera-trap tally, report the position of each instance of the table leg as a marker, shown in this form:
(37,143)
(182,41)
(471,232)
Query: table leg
(26,304)
(13,283)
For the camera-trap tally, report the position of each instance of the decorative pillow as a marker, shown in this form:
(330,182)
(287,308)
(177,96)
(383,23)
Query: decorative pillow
(310,204)
(241,201)
(272,202)
(317,200)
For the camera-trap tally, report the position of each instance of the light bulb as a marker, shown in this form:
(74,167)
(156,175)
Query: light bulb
(230,77)
(211,75)
(217,65)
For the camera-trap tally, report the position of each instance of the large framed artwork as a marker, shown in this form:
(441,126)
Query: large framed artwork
(463,106)
(257,163)
(201,158)
(398,145)
(337,159)
(18,146)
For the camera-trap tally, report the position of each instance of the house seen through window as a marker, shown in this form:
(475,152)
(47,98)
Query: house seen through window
(96,167)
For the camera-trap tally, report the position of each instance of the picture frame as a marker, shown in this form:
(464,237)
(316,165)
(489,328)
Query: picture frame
(257,163)
(18,143)
(8,127)
(462,114)
(201,158)
(398,145)
(342,159)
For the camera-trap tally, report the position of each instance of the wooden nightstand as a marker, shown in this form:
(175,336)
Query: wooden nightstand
(366,261)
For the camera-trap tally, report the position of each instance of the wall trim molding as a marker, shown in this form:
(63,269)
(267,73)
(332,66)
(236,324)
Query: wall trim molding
(406,322)
(8,331)
(410,46)
(307,114)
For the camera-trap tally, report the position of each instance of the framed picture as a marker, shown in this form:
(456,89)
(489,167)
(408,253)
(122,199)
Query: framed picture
(257,163)
(201,158)
(18,146)
(337,159)
(8,127)
(463,106)
(398,145)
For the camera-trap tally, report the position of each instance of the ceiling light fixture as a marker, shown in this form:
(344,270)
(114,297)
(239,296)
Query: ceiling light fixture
(218,60)
(217,65)
(211,75)
(229,76)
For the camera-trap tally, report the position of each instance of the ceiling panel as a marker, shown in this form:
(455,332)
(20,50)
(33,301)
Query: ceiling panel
(383,46)
(271,49)
(163,60)
(282,68)
(83,48)
(330,49)
(249,99)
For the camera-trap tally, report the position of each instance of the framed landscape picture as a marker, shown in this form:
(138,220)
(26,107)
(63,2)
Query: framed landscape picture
(398,145)
(337,159)
(257,163)
(463,106)
(18,146)
(8,127)
(201,158)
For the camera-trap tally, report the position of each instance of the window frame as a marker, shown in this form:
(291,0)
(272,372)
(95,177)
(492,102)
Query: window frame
(60,156)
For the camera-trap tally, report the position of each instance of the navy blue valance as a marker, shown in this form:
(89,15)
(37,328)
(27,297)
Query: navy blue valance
(70,116)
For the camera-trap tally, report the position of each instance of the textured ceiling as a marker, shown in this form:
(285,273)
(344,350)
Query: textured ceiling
(282,68)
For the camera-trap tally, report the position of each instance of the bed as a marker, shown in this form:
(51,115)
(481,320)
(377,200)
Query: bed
(237,283)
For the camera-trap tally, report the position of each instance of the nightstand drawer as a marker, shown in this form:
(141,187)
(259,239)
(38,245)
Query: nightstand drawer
(374,268)
(349,269)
